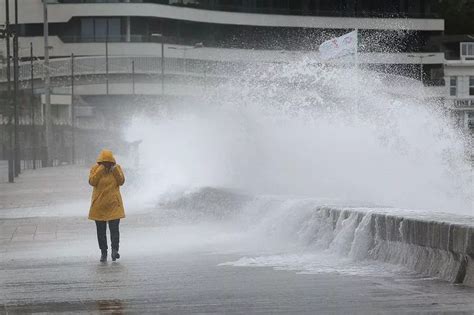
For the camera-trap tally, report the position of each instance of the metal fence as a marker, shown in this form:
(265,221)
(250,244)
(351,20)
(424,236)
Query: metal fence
(122,65)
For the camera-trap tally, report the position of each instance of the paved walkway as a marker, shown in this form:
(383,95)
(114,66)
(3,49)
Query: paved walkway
(45,186)
(49,263)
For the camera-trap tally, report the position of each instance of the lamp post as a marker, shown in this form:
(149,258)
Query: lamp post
(15,94)
(185,49)
(11,161)
(47,90)
(421,62)
(161,37)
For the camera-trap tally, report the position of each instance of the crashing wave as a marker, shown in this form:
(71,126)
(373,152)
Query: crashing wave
(440,247)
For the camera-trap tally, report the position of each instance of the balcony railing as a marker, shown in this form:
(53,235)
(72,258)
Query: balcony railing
(175,40)
(148,65)
(388,12)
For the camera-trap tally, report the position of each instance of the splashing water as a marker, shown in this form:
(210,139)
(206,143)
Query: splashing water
(304,129)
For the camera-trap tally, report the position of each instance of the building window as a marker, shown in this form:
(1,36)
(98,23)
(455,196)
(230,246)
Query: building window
(470,120)
(467,50)
(453,85)
(95,29)
(87,29)
(471,85)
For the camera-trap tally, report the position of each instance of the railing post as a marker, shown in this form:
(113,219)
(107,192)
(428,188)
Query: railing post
(73,114)
(33,133)
(107,57)
(162,66)
(133,77)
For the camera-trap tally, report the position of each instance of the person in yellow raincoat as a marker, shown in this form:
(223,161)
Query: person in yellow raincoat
(106,206)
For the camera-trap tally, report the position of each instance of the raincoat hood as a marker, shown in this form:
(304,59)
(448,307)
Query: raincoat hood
(106,156)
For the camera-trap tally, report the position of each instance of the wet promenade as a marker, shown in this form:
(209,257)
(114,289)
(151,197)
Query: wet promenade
(49,263)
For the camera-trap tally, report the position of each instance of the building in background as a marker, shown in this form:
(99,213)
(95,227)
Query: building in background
(389,30)
(124,48)
(459,77)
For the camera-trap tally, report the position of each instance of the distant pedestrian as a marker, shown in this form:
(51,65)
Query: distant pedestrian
(106,177)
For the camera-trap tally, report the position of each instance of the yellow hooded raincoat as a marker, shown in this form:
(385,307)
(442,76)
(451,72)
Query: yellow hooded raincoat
(107,202)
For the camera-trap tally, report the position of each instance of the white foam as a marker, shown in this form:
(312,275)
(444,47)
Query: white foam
(317,263)
(300,129)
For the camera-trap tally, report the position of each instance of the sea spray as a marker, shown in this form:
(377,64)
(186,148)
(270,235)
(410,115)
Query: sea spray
(308,130)
(300,141)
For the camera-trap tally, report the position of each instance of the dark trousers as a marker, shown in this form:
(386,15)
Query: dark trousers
(102,234)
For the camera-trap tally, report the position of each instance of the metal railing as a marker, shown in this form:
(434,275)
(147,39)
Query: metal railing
(122,65)
(132,38)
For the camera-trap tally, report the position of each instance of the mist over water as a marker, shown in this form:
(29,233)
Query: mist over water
(302,129)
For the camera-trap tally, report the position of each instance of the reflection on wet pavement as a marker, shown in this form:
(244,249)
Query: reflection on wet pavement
(190,283)
(110,306)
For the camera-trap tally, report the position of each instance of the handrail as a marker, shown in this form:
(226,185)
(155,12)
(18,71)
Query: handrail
(96,65)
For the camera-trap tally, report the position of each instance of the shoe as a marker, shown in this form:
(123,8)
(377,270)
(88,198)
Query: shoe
(115,254)
(103,257)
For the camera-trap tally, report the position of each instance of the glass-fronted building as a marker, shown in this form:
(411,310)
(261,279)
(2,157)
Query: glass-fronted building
(390,30)
(349,8)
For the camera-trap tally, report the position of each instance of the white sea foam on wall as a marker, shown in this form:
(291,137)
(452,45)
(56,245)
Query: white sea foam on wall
(332,240)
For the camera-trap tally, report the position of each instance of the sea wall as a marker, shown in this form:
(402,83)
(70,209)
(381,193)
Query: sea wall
(430,243)
(435,247)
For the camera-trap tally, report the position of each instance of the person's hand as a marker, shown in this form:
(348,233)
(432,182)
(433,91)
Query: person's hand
(108,166)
